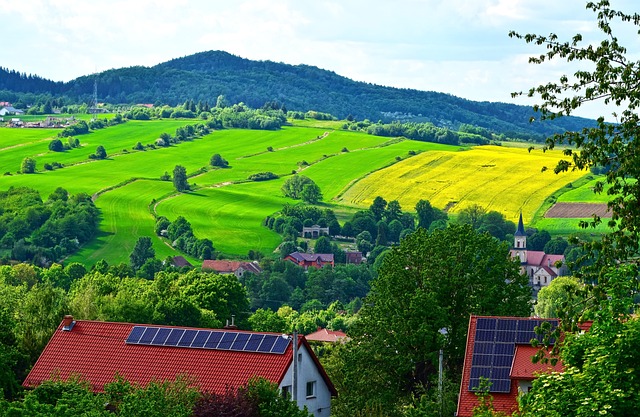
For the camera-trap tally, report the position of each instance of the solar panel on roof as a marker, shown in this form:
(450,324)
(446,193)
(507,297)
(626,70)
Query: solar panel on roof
(207,339)
(200,339)
(227,340)
(494,347)
(148,335)
(486,323)
(508,325)
(161,336)
(240,342)
(485,335)
(281,345)
(502,360)
(213,341)
(504,349)
(267,343)
(501,385)
(253,342)
(479,371)
(174,337)
(187,338)
(135,334)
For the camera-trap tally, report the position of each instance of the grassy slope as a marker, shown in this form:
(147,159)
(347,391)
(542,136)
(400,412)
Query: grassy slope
(126,217)
(231,215)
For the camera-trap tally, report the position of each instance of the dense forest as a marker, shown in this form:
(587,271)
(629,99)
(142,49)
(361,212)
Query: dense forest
(207,75)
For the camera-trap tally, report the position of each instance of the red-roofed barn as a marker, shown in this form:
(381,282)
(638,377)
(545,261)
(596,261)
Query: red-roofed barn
(214,358)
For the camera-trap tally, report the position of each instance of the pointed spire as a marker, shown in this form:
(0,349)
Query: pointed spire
(520,231)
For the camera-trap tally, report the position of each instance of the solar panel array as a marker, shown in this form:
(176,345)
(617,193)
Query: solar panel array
(208,339)
(495,346)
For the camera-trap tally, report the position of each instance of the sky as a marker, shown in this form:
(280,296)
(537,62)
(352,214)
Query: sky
(459,47)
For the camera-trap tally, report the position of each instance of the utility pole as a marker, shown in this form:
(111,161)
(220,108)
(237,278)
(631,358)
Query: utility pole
(294,382)
(443,332)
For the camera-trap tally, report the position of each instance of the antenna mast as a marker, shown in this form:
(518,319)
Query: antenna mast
(94,107)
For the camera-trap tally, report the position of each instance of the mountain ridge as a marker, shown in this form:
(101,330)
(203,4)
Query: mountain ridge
(206,75)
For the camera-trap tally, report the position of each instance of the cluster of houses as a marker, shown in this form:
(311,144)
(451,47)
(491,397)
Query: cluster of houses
(6,109)
(498,349)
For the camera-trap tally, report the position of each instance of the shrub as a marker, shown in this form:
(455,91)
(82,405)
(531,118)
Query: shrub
(263,176)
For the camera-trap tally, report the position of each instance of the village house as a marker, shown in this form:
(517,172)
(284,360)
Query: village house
(499,349)
(541,268)
(313,260)
(327,336)
(353,257)
(238,268)
(9,110)
(214,358)
(180,262)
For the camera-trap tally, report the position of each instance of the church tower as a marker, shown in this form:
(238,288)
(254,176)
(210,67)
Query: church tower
(520,242)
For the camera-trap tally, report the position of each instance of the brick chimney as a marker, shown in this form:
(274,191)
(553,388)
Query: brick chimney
(67,323)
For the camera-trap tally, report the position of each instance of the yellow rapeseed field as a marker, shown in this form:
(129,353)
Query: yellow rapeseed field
(507,180)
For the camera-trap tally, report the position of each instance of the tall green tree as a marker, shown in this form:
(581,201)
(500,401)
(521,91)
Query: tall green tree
(141,252)
(180,178)
(294,186)
(311,193)
(563,293)
(28,166)
(378,208)
(429,282)
(426,214)
(101,153)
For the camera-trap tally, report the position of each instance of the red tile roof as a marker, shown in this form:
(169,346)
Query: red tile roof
(229,267)
(97,351)
(523,368)
(222,266)
(324,335)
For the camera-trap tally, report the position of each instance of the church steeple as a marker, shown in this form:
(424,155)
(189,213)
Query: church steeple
(520,241)
(520,231)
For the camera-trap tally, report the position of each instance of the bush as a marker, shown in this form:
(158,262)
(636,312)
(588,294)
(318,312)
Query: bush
(263,176)
(56,145)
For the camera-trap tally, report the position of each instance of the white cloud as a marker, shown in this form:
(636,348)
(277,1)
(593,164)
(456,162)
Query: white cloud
(457,46)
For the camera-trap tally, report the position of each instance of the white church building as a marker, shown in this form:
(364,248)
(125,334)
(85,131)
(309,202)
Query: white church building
(540,267)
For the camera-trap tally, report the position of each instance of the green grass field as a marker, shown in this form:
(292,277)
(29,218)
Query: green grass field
(229,210)
(126,217)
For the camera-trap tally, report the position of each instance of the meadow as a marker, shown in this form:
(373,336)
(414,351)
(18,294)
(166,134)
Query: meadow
(351,168)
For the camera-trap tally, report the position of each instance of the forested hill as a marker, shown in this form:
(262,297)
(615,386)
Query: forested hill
(205,76)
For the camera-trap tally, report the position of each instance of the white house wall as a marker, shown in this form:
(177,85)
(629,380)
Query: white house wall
(320,404)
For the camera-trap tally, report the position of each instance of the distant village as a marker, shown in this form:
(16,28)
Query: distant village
(7,110)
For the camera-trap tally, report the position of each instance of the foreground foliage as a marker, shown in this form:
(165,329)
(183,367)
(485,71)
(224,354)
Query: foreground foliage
(429,282)
(179,398)
(602,375)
